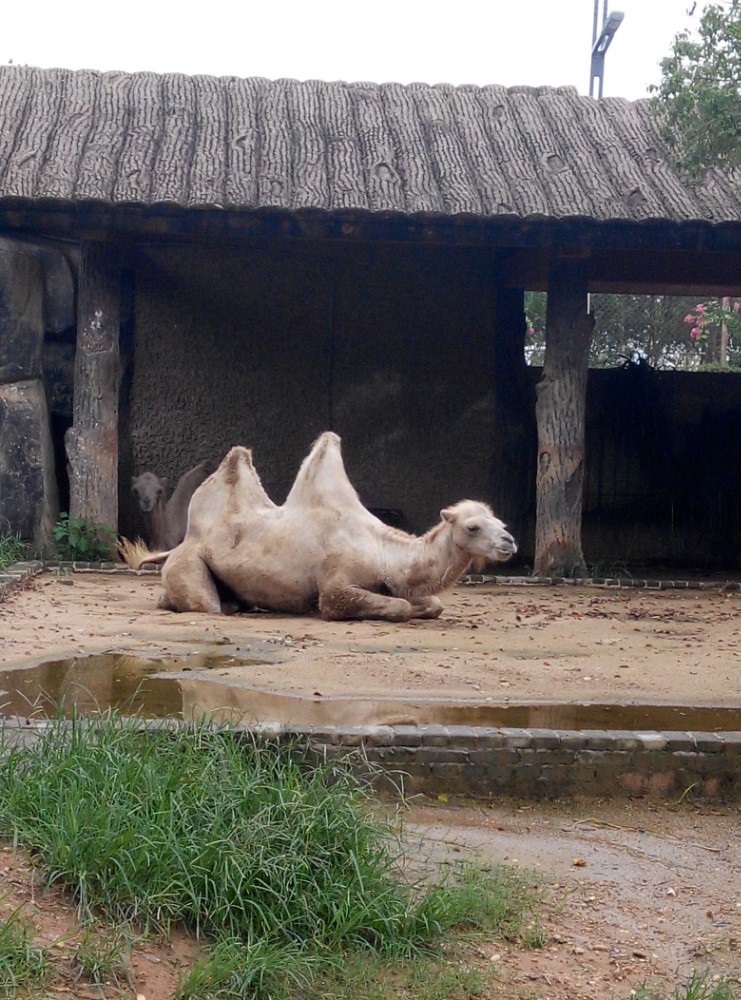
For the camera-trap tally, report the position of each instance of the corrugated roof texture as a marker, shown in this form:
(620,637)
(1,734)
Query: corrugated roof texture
(223,142)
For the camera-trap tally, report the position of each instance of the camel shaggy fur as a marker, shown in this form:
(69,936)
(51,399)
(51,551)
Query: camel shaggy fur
(166,522)
(321,548)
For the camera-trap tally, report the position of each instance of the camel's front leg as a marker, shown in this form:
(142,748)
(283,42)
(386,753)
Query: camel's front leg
(338,602)
(427,607)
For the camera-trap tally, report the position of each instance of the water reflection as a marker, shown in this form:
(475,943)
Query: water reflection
(187,688)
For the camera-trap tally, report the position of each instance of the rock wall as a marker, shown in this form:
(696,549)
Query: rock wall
(28,487)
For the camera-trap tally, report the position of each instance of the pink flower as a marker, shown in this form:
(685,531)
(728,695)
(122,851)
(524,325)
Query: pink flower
(689,318)
(530,331)
(700,308)
(736,306)
(694,333)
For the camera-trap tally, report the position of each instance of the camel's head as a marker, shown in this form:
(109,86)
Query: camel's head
(478,532)
(148,490)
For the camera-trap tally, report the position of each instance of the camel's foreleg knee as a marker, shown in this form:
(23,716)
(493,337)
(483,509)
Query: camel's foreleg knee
(336,603)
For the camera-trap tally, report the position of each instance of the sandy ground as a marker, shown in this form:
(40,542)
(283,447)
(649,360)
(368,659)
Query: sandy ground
(493,644)
(634,892)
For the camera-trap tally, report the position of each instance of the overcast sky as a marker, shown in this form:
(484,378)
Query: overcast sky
(507,42)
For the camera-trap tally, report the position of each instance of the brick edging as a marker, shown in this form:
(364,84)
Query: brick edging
(483,762)
(20,571)
(607,582)
(487,762)
(17,574)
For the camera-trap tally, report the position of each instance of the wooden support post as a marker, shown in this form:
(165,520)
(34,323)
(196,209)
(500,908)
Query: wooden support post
(92,440)
(560,411)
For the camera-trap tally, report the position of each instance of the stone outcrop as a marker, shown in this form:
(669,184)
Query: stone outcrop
(28,487)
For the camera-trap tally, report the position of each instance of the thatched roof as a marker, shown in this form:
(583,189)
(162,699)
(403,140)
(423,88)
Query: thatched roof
(205,142)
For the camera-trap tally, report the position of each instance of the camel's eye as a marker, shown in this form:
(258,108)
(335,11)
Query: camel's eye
(472,528)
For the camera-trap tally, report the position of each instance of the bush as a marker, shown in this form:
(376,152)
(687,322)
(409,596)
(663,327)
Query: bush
(79,538)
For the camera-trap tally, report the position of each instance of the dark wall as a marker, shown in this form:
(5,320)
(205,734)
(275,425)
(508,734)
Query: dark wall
(394,348)
(663,467)
(389,347)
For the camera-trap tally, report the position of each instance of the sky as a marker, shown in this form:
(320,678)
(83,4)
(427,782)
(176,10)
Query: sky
(509,42)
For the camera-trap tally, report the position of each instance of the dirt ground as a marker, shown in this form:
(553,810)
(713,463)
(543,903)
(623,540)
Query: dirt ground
(504,644)
(634,892)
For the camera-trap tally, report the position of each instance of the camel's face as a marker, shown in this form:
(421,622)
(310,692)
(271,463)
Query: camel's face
(148,490)
(478,532)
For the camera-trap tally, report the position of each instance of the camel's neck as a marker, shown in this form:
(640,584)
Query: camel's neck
(435,562)
(156,523)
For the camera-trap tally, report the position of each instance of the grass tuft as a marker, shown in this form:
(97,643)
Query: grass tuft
(12,550)
(101,959)
(700,986)
(22,962)
(285,868)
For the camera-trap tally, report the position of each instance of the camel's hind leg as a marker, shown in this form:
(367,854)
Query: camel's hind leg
(349,601)
(188,583)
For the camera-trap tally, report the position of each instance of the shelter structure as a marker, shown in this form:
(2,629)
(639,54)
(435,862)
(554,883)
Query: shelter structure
(253,261)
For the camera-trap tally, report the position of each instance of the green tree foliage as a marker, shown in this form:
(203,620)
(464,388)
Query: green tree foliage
(698,101)
(628,328)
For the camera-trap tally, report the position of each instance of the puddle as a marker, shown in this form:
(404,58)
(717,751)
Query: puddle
(88,685)
(186,687)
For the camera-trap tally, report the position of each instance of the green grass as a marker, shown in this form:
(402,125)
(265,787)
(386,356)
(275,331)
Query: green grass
(101,959)
(22,963)
(284,868)
(699,987)
(12,550)
(369,977)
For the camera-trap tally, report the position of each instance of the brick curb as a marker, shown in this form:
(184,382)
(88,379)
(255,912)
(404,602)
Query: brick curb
(486,762)
(20,572)
(609,583)
(17,574)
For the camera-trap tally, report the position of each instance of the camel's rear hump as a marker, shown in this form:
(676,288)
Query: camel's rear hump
(322,479)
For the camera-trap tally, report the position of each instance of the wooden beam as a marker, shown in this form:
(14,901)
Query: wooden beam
(560,412)
(636,272)
(92,440)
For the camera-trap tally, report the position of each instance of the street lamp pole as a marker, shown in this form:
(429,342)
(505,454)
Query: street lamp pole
(601,43)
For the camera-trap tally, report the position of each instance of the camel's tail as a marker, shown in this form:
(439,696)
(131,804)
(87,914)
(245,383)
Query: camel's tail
(136,554)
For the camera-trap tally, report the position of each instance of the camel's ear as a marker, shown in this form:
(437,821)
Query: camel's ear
(448,514)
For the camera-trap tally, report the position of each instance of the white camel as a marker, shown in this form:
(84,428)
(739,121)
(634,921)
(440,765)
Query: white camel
(321,548)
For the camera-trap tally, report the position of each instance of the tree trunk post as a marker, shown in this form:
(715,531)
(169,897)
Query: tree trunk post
(560,412)
(92,440)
